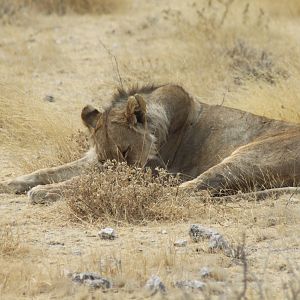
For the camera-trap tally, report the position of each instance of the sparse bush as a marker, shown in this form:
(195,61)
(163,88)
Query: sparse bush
(59,141)
(78,6)
(250,63)
(78,143)
(60,7)
(9,242)
(120,193)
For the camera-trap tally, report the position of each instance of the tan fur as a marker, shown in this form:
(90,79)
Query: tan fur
(214,148)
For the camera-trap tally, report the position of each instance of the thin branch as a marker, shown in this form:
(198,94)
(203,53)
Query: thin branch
(291,196)
(224,96)
(114,62)
(245,268)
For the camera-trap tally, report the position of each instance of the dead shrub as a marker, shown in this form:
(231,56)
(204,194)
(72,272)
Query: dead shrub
(120,193)
(9,242)
(60,7)
(8,9)
(250,63)
(78,143)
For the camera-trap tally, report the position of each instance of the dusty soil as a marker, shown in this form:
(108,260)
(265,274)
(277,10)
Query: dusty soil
(72,58)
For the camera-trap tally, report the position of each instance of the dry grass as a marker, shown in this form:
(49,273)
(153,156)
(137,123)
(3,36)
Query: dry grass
(287,9)
(122,194)
(10,244)
(221,58)
(26,278)
(61,7)
(21,126)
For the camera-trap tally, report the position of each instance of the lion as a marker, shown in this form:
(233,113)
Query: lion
(221,150)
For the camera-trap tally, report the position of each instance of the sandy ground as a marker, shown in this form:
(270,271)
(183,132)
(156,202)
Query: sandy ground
(64,56)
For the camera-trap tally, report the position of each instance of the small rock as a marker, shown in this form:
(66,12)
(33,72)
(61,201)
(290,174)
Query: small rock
(115,45)
(98,283)
(154,285)
(164,231)
(107,234)
(91,279)
(180,243)
(205,272)
(49,98)
(190,284)
(199,232)
(76,252)
(218,242)
(56,243)
(81,277)
(67,273)
(271,222)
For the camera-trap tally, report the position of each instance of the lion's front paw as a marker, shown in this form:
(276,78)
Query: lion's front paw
(4,188)
(15,186)
(12,187)
(44,194)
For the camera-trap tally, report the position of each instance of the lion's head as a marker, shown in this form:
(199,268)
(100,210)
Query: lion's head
(121,131)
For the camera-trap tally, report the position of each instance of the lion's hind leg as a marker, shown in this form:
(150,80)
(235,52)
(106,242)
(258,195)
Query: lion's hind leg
(222,179)
(261,165)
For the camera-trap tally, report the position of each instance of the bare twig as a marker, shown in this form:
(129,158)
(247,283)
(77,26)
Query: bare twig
(223,100)
(224,16)
(245,268)
(114,63)
(291,196)
(245,13)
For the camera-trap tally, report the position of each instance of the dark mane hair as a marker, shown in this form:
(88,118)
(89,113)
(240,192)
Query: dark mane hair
(122,94)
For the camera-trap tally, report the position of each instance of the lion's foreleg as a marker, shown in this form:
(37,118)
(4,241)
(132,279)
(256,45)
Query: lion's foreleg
(24,183)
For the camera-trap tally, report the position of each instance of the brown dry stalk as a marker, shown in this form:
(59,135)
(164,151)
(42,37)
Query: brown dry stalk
(127,194)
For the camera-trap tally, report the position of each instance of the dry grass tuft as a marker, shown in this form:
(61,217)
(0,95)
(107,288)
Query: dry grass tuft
(292,285)
(249,63)
(45,137)
(10,244)
(60,7)
(224,60)
(123,194)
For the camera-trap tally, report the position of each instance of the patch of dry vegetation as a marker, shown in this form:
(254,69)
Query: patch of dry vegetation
(221,58)
(123,194)
(61,7)
(21,127)
(10,245)
(287,9)
(26,278)
(254,64)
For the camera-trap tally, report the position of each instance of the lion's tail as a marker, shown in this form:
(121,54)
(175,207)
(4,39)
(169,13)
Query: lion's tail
(260,195)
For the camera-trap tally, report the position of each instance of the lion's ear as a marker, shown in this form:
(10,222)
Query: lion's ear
(136,109)
(90,116)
